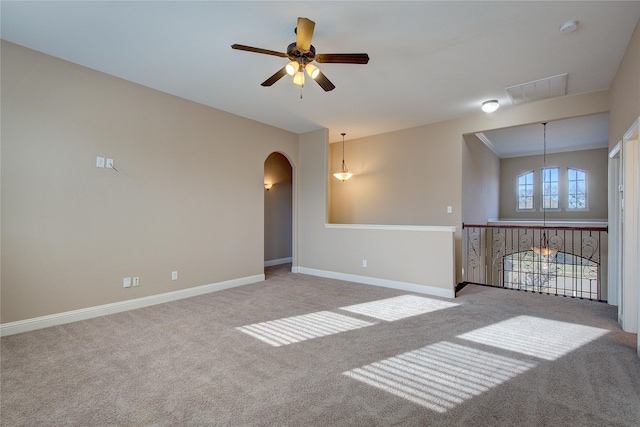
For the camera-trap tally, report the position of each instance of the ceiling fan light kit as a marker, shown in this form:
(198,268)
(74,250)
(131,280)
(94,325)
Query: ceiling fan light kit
(312,71)
(301,54)
(292,68)
(298,78)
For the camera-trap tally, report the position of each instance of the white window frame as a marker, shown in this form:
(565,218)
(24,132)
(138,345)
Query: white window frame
(586,191)
(542,195)
(533,199)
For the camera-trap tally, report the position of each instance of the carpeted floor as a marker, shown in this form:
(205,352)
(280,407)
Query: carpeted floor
(297,350)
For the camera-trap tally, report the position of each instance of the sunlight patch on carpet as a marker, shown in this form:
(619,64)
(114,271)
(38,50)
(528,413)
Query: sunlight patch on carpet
(397,308)
(533,336)
(440,376)
(295,329)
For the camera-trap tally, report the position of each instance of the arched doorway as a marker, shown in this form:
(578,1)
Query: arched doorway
(278,211)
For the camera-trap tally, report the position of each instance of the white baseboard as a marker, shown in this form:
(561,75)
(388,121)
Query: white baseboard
(385,283)
(118,307)
(273,262)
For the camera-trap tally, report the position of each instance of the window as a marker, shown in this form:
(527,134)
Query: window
(577,189)
(550,197)
(525,191)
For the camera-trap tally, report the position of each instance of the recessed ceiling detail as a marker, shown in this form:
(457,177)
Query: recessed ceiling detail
(550,87)
(572,134)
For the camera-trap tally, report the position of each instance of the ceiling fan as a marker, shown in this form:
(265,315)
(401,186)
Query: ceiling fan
(301,54)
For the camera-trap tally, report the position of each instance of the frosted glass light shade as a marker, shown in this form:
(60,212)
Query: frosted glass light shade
(299,78)
(543,251)
(343,176)
(490,106)
(292,67)
(312,71)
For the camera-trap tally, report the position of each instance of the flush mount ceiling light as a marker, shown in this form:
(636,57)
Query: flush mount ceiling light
(490,106)
(569,27)
(344,173)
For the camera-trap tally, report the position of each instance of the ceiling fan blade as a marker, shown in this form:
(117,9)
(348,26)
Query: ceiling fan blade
(277,76)
(324,82)
(258,50)
(304,33)
(343,58)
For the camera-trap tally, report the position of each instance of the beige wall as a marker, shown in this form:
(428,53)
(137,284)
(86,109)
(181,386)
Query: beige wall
(188,195)
(625,92)
(407,177)
(278,208)
(625,110)
(419,260)
(410,176)
(594,162)
(481,178)
(71,231)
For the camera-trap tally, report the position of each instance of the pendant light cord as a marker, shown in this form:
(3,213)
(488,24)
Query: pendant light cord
(544,168)
(344,167)
(544,242)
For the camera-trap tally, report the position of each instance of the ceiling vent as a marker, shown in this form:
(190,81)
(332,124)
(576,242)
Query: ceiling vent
(550,87)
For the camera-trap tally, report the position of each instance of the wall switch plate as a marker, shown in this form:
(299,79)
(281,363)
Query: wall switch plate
(364,262)
(126,282)
(449,209)
(174,275)
(99,162)
(109,163)
(136,281)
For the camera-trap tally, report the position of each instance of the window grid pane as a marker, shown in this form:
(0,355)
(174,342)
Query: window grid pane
(525,191)
(577,189)
(550,193)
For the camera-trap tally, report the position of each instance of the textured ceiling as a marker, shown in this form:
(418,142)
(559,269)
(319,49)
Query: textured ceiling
(430,61)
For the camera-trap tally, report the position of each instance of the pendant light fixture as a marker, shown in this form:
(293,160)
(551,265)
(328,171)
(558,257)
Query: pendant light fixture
(344,173)
(544,249)
(296,70)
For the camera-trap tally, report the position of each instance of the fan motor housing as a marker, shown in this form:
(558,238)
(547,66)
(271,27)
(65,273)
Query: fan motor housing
(303,57)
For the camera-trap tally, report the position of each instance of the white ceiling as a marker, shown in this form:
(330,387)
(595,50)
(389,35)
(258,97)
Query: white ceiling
(430,61)
(580,133)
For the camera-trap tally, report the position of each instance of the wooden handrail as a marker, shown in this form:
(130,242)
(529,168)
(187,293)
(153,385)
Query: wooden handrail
(537,227)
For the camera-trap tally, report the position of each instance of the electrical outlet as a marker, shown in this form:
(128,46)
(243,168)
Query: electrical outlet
(449,209)
(126,282)
(109,164)
(364,262)
(174,275)
(136,281)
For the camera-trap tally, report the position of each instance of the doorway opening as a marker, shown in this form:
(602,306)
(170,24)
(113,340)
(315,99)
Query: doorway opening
(278,213)
(624,166)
